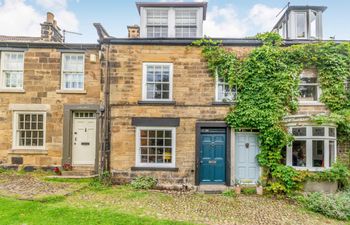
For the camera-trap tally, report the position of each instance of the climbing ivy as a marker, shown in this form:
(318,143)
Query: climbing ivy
(267,81)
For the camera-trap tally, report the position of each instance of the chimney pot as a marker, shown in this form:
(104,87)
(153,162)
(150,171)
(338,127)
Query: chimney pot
(134,31)
(50,17)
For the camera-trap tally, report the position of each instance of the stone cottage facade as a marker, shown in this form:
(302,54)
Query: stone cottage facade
(47,87)
(146,104)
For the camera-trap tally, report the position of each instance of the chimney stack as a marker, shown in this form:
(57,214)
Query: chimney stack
(133,31)
(49,30)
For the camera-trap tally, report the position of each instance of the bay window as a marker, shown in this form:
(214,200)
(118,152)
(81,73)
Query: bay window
(313,148)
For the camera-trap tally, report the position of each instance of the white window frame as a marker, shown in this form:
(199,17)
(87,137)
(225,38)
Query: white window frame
(144,82)
(195,11)
(15,124)
(309,138)
(63,88)
(2,75)
(217,91)
(318,89)
(138,162)
(157,25)
(305,24)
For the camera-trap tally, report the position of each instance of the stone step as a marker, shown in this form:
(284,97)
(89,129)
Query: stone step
(76,172)
(212,189)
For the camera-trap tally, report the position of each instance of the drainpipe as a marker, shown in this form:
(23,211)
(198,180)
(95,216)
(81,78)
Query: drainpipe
(105,147)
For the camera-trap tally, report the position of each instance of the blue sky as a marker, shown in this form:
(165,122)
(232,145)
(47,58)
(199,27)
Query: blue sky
(226,18)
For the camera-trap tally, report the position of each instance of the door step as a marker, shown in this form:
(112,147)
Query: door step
(212,189)
(80,171)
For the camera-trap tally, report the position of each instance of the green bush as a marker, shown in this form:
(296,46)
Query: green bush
(229,193)
(332,205)
(144,182)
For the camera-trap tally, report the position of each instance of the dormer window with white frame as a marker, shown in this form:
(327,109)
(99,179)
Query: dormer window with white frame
(185,23)
(172,20)
(157,23)
(301,22)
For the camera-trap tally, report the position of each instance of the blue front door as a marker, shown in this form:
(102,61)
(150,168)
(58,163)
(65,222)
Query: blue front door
(247,168)
(213,156)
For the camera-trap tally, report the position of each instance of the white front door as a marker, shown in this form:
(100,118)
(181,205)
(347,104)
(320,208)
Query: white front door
(247,168)
(84,138)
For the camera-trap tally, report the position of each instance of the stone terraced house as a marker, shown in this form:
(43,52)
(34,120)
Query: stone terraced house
(146,104)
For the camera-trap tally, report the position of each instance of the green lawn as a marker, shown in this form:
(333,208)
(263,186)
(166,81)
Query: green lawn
(32,212)
(92,203)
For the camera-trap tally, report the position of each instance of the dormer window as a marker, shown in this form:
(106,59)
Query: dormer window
(301,22)
(157,23)
(172,19)
(185,23)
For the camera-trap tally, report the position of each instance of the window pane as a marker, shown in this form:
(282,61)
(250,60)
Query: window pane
(301,25)
(331,152)
(318,131)
(225,93)
(156,152)
(313,25)
(299,153)
(308,93)
(318,153)
(299,131)
(158,77)
(30,130)
(331,132)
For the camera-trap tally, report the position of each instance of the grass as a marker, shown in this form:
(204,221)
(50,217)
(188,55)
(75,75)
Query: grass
(36,213)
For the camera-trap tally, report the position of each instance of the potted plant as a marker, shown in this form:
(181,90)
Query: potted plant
(57,171)
(238,186)
(259,188)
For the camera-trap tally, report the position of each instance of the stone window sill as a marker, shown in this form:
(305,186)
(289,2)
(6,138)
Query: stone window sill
(156,102)
(4,90)
(28,151)
(71,91)
(154,169)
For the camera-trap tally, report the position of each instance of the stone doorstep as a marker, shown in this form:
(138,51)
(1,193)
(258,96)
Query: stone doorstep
(73,177)
(212,188)
(81,170)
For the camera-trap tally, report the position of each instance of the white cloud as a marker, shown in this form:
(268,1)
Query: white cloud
(225,22)
(18,17)
(263,16)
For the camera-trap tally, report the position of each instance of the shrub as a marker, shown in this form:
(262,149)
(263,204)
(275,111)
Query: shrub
(144,182)
(332,205)
(229,193)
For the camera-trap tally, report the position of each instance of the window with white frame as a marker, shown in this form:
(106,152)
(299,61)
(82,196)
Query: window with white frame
(157,23)
(224,92)
(157,81)
(72,71)
(309,87)
(29,130)
(155,146)
(313,148)
(313,23)
(12,66)
(185,23)
(300,21)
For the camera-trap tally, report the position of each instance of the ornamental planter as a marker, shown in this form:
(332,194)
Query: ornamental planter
(321,186)
(238,189)
(259,190)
